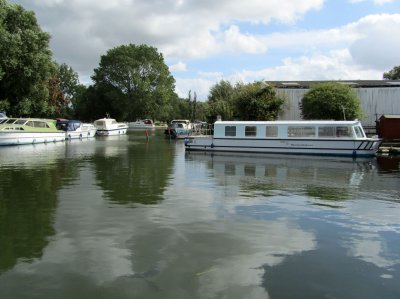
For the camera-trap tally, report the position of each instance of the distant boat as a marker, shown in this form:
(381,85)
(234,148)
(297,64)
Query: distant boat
(142,124)
(15,131)
(337,138)
(75,129)
(179,128)
(109,126)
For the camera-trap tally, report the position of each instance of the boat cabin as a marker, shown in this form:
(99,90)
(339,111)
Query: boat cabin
(288,129)
(16,123)
(68,125)
(180,123)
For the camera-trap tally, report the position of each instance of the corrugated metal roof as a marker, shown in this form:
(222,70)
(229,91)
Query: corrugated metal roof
(395,116)
(353,83)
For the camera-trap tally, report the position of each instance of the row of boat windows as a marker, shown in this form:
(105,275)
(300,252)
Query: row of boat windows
(30,123)
(300,131)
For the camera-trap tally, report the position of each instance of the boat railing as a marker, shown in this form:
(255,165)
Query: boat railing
(202,130)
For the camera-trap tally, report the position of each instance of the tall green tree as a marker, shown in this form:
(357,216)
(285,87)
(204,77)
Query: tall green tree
(134,81)
(69,87)
(393,74)
(25,65)
(331,100)
(257,101)
(221,101)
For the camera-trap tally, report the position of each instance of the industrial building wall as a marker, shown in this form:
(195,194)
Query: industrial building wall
(374,102)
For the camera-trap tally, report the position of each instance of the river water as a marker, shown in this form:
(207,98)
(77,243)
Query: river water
(126,217)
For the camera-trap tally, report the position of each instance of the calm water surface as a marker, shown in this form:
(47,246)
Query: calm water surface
(119,217)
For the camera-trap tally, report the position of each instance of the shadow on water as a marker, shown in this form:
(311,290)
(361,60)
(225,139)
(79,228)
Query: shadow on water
(389,164)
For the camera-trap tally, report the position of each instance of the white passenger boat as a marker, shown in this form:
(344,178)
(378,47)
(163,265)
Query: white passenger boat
(341,138)
(179,128)
(75,129)
(142,124)
(15,131)
(109,126)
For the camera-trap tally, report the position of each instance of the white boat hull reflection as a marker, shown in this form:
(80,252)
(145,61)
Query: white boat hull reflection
(288,171)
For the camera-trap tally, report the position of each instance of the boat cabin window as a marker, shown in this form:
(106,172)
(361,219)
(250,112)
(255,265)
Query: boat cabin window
(10,121)
(37,124)
(20,121)
(230,131)
(343,132)
(271,131)
(250,131)
(359,132)
(326,132)
(301,131)
(13,129)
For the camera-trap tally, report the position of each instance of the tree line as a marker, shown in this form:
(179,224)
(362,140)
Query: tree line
(133,81)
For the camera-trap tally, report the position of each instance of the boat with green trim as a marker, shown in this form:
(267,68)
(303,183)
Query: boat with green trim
(16,131)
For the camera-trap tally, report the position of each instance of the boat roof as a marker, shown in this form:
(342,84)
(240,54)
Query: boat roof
(290,122)
(32,119)
(68,121)
(106,119)
(180,120)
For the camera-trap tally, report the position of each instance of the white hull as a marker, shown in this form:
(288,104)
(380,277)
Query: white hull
(17,138)
(141,127)
(146,124)
(292,146)
(110,127)
(111,132)
(81,133)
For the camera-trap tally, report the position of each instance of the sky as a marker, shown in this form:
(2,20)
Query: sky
(206,41)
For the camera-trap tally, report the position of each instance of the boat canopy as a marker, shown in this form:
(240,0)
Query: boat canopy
(68,125)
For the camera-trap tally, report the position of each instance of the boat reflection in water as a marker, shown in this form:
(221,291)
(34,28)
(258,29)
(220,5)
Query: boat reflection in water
(320,177)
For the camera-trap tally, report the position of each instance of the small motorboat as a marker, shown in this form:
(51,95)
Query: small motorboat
(109,126)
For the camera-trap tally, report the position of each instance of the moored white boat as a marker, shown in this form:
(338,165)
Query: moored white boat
(179,128)
(337,138)
(109,126)
(75,129)
(142,124)
(15,131)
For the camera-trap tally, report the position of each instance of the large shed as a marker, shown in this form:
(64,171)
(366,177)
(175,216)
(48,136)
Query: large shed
(389,127)
(377,97)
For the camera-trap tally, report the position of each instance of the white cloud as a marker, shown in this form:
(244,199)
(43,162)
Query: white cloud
(234,41)
(377,2)
(178,67)
(83,30)
(378,46)
(199,85)
(336,65)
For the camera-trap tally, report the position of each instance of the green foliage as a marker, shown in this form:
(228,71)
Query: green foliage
(64,87)
(25,65)
(69,80)
(331,100)
(133,82)
(221,101)
(257,101)
(253,101)
(393,74)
